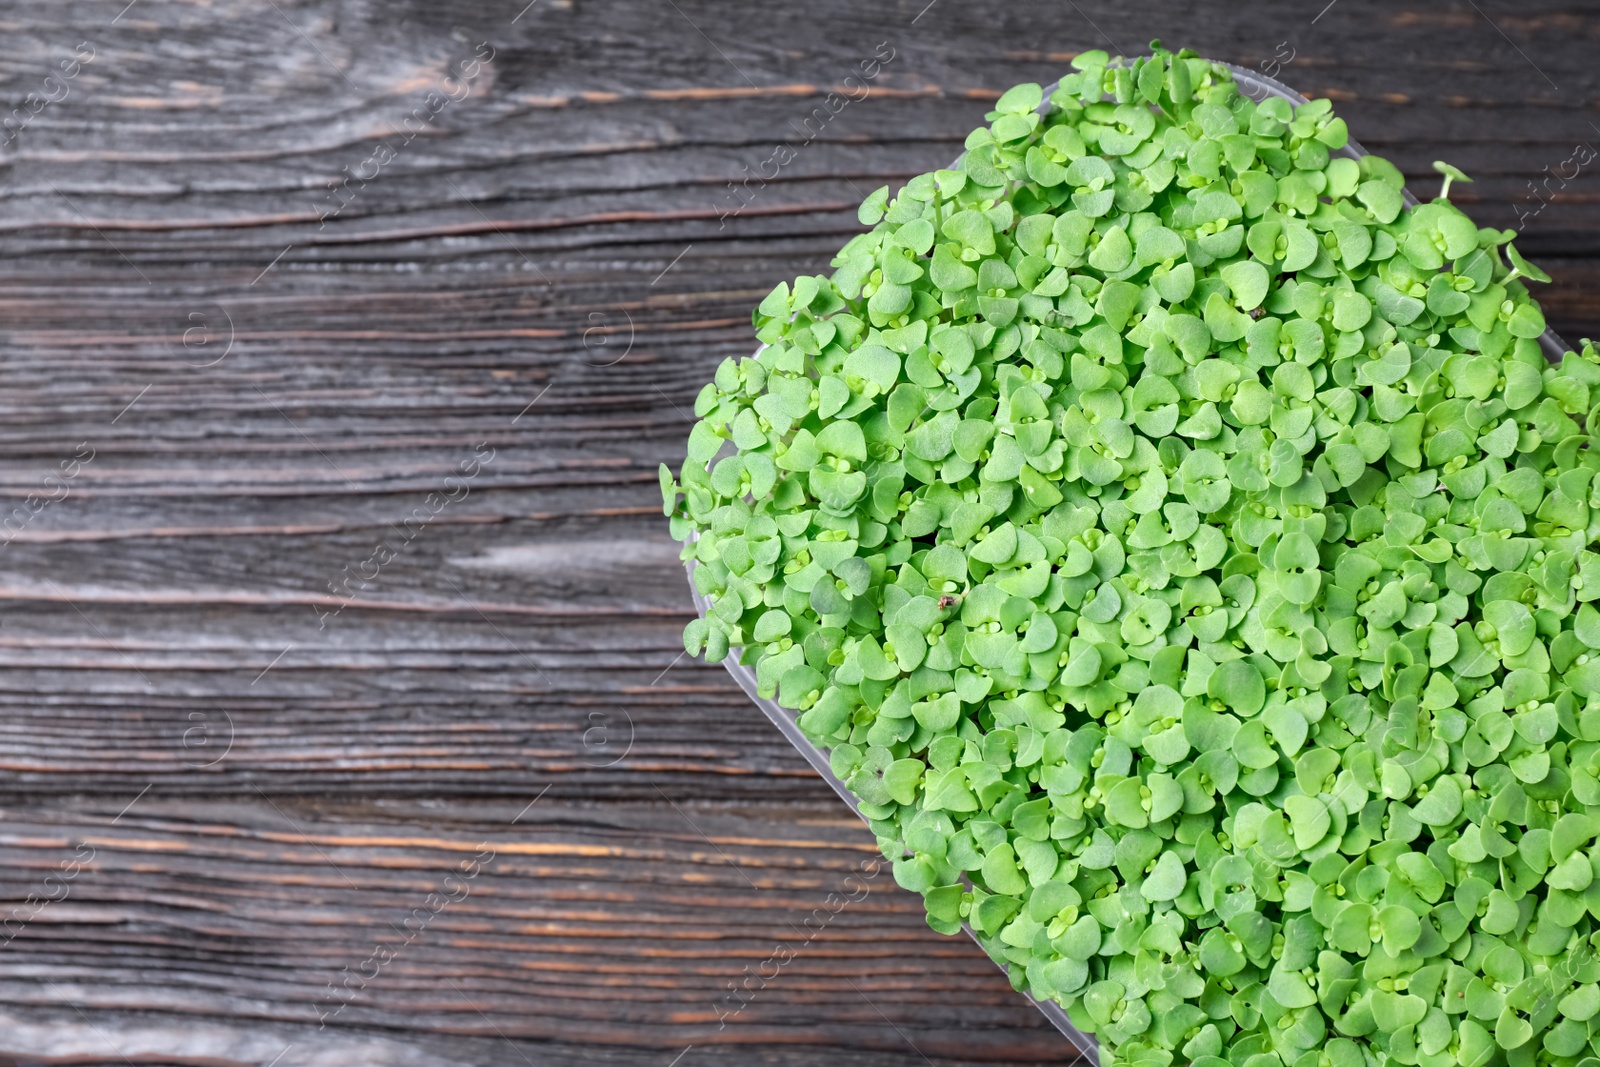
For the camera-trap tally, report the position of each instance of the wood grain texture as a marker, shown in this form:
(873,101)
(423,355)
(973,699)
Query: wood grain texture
(248,611)
(539,924)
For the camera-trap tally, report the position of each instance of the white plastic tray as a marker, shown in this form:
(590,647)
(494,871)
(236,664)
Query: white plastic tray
(1257,87)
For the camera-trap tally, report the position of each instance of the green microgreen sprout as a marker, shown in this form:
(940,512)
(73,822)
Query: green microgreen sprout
(1521,268)
(1451,174)
(1186,554)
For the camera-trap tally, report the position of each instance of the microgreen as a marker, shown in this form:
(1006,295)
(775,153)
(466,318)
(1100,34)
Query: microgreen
(1185,552)
(1451,174)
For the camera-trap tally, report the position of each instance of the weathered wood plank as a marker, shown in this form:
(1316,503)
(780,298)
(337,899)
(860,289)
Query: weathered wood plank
(625,925)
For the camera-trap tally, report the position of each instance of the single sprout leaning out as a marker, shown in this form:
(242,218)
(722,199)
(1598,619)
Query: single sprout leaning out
(1451,174)
(1185,552)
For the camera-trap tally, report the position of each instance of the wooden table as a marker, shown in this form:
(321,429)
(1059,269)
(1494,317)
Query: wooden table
(345,721)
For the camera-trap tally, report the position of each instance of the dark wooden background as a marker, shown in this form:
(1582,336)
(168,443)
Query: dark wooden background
(240,795)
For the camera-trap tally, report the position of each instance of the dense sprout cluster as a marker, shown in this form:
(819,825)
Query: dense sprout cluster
(1184,550)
